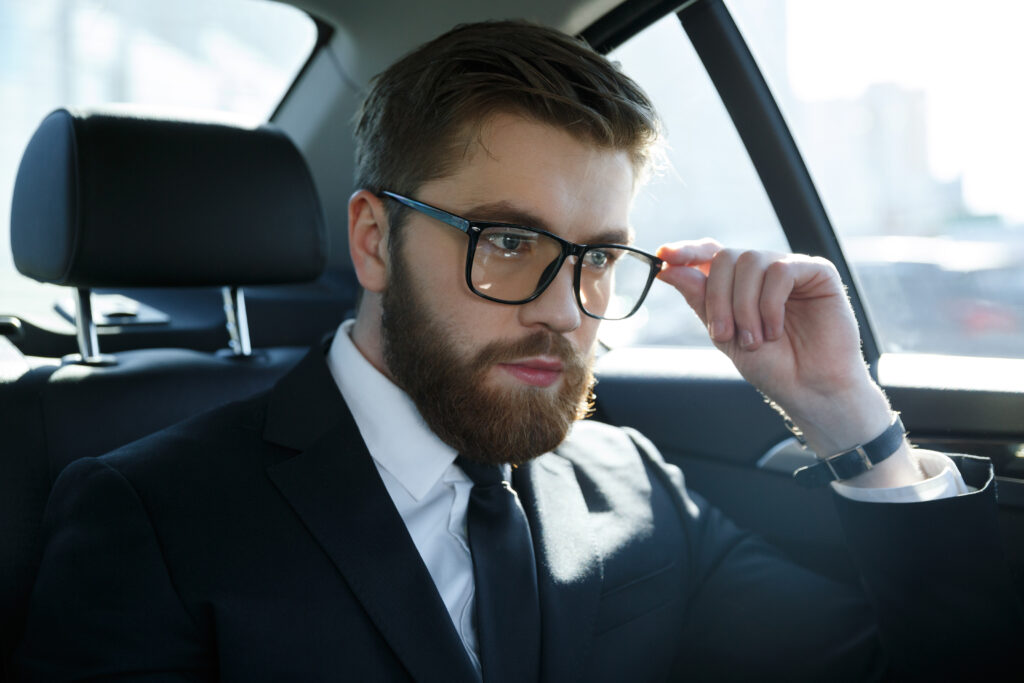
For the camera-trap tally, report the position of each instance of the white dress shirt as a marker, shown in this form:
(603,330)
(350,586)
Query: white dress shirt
(419,473)
(431,493)
(943,481)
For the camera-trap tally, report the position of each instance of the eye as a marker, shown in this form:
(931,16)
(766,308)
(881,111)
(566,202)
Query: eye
(598,258)
(511,241)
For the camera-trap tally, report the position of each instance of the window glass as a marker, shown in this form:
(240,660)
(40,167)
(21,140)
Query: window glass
(706,188)
(907,113)
(233,56)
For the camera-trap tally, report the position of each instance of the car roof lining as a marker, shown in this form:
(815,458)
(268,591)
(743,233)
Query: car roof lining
(318,109)
(422,21)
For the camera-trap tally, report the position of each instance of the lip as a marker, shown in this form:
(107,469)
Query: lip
(538,372)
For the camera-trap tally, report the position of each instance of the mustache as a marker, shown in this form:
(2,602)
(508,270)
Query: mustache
(537,344)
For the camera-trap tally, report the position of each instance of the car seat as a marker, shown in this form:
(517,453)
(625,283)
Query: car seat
(113,201)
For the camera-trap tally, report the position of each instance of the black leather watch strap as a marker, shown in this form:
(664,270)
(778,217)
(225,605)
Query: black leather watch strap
(854,461)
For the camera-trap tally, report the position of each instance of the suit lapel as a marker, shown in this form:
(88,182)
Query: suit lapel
(335,489)
(569,569)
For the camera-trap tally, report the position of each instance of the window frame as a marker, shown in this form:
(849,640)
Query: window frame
(760,124)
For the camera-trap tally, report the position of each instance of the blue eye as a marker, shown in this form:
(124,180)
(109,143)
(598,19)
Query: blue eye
(598,258)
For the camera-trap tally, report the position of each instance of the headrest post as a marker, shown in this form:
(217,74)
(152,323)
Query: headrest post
(88,340)
(237,321)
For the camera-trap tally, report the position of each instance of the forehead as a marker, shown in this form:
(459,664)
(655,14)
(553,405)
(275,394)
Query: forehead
(516,167)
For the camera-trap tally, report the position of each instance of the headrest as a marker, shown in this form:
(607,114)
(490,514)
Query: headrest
(116,201)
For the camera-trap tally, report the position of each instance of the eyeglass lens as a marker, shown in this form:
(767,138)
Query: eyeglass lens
(512,264)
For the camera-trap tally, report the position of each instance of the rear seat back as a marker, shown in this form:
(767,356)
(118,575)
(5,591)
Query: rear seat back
(110,201)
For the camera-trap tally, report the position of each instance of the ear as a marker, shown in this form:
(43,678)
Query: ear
(368,239)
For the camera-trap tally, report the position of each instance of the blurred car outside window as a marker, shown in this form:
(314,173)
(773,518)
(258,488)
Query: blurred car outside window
(705,185)
(907,113)
(233,57)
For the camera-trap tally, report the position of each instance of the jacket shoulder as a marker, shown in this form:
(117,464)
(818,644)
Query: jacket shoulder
(617,456)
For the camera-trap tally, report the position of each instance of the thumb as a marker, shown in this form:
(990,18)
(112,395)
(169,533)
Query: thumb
(691,283)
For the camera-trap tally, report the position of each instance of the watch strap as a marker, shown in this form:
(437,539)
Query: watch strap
(853,461)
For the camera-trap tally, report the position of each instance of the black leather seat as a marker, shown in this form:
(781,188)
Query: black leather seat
(109,201)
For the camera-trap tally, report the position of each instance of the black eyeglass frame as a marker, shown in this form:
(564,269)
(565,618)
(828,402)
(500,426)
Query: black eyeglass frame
(474,229)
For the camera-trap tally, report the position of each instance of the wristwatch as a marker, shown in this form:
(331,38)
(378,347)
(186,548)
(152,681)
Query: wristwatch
(854,461)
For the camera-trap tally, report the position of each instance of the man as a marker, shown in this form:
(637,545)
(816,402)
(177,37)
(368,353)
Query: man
(344,525)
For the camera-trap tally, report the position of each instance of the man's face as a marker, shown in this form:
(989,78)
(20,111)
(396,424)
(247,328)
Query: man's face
(502,383)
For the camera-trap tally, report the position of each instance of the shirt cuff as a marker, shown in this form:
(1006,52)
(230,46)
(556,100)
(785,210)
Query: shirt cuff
(943,481)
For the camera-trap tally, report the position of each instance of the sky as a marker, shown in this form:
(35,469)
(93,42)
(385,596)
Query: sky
(968,59)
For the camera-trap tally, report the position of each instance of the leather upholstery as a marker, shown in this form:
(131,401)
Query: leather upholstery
(114,201)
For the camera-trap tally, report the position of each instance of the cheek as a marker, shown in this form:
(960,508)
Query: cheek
(436,262)
(585,336)
(469,321)
(482,322)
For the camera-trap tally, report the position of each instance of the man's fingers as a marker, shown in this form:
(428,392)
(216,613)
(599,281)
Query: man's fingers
(778,285)
(741,296)
(688,262)
(695,253)
(718,297)
(748,282)
(690,282)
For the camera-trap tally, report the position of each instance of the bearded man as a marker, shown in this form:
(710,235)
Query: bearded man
(421,500)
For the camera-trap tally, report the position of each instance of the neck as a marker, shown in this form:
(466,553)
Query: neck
(367,335)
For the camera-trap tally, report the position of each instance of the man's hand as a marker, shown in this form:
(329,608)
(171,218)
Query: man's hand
(786,323)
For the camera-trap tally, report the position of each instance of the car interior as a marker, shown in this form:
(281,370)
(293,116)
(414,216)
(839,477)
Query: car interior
(199,260)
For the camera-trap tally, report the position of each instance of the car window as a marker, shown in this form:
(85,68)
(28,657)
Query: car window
(236,57)
(910,127)
(706,186)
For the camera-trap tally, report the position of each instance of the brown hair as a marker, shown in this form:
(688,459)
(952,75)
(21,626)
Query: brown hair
(416,117)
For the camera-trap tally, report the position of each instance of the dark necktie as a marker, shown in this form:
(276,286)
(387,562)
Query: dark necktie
(505,574)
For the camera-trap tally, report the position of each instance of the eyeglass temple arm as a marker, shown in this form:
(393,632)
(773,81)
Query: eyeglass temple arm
(443,216)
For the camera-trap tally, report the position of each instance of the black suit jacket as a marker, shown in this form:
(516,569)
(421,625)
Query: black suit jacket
(258,543)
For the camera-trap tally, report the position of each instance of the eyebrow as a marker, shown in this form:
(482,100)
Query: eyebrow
(507,212)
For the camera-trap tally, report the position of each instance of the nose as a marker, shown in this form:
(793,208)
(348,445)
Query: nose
(556,307)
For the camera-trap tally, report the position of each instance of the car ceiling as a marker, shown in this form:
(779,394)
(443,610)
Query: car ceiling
(367,37)
(375,22)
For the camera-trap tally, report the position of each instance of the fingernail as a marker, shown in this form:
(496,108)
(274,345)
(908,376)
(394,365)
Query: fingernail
(717,329)
(769,332)
(746,339)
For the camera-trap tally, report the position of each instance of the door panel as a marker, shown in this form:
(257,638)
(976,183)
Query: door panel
(717,428)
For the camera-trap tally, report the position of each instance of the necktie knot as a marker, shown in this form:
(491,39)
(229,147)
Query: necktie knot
(481,474)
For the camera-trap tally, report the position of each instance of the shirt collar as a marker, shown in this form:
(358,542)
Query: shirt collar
(394,432)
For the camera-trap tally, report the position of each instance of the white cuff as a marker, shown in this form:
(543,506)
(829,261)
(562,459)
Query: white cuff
(943,481)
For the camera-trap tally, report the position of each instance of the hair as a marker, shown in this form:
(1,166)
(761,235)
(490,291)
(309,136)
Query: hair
(422,112)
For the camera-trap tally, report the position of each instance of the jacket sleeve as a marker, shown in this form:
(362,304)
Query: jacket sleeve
(936,600)
(937,578)
(104,605)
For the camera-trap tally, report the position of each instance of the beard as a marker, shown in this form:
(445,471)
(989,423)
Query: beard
(487,424)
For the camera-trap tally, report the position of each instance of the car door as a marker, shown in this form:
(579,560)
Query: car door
(736,173)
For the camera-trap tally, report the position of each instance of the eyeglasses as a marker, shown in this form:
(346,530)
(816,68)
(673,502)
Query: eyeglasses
(514,264)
